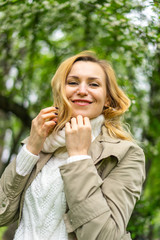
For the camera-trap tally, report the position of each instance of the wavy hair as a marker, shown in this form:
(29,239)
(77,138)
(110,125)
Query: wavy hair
(117,99)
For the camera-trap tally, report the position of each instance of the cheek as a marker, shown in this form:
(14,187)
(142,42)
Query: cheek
(101,95)
(68,92)
(104,94)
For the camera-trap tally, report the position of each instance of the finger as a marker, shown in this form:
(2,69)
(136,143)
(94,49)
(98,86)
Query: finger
(50,124)
(48,127)
(49,116)
(48,109)
(53,120)
(87,121)
(67,127)
(73,123)
(80,120)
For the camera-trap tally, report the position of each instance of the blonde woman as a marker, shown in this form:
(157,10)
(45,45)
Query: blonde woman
(79,173)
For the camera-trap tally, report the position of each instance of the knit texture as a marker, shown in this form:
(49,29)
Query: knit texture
(44,206)
(25,161)
(45,203)
(54,141)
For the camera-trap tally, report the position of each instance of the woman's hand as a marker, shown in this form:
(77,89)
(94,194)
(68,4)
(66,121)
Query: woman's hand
(78,136)
(41,126)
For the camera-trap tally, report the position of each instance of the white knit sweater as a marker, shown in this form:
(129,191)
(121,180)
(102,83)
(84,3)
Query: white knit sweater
(45,203)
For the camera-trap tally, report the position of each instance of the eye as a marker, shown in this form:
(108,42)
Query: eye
(94,84)
(72,83)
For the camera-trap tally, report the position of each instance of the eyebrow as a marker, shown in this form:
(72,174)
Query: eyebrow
(89,78)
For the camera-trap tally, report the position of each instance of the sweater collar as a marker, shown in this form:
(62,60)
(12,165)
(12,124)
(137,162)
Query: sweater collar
(55,141)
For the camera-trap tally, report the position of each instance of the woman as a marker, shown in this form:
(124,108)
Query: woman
(79,173)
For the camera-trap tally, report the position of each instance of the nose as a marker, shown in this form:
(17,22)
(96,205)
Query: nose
(82,89)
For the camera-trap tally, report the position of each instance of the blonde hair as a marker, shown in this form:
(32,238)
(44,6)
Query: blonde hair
(118,101)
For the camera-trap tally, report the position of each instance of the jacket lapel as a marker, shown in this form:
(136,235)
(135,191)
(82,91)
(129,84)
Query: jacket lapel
(95,150)
(104,146)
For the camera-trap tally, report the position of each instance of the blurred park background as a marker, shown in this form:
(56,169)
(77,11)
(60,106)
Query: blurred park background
(35,36)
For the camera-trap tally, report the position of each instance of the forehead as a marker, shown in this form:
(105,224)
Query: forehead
(87,68)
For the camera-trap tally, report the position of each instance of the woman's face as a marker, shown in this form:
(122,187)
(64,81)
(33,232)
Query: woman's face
(86,89)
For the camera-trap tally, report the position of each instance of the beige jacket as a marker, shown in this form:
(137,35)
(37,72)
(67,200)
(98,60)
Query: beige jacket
(101,192)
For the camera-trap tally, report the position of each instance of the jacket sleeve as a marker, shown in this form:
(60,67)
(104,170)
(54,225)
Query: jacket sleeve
(11,187)
(12,184)
(101,209)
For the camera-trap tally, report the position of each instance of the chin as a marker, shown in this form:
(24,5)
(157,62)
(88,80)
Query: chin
(90,116)
(80,113)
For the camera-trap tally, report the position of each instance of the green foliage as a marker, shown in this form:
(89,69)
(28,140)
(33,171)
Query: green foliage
(2,230)
(35,36)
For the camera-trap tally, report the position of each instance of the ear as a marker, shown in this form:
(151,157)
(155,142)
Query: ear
(107,103)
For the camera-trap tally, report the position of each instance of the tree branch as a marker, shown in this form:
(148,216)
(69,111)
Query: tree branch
(7,105)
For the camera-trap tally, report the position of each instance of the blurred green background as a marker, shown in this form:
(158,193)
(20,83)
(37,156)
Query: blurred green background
(35,36)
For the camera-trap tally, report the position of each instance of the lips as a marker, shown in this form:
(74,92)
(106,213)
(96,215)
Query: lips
(81,102)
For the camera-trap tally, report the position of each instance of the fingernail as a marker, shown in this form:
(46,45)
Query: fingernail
(56,107)
(56,113)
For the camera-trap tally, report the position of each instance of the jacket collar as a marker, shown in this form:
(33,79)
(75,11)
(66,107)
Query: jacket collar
(104,136)
(104,146)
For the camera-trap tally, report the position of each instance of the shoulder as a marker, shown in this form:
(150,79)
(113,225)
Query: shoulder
(129,156)
(118,147)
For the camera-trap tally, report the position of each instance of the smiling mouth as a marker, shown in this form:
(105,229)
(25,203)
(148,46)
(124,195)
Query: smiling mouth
(81,102)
